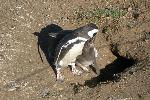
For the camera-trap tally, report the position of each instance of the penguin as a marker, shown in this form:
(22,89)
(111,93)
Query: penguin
(70,46)
(88,57)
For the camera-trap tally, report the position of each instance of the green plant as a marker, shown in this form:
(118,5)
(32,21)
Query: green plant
(96,13)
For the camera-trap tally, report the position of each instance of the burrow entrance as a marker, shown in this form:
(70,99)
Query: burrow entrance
(111,72)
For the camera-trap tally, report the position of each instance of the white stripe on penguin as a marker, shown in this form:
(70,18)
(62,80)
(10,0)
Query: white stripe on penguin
(90,33)
(73,41)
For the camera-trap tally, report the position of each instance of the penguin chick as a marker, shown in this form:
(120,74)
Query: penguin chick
(70,46)
(88,56)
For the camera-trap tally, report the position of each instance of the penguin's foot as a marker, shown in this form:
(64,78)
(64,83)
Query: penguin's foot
(60,77)
(75,71)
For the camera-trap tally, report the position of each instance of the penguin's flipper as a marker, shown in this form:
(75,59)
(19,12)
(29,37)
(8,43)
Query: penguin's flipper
(75,71)
(97,71)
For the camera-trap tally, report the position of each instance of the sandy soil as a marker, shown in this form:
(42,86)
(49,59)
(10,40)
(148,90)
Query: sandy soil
(123,45)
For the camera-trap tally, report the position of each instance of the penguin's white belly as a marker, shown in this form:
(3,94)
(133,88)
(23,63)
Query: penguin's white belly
(71,55)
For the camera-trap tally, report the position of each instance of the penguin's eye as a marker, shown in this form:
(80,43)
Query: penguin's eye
(94,34)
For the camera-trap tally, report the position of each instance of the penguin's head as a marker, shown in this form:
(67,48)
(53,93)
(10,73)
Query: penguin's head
(88,31)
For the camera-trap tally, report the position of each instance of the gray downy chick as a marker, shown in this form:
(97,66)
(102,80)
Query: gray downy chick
(70,46)
(88,57)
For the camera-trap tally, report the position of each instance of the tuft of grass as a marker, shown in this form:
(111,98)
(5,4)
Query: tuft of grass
(96,13)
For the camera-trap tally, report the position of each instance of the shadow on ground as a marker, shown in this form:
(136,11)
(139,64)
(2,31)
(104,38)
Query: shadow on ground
(48,38)
(111,72)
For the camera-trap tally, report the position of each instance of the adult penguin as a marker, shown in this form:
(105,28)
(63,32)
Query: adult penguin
(70,47)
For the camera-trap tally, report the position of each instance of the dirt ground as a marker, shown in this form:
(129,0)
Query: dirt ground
(123,44)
